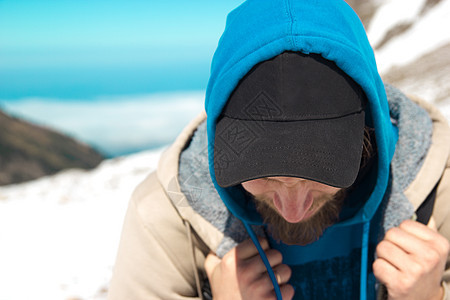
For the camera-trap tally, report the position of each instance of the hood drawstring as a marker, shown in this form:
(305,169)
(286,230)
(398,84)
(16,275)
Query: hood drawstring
(364,259)
(264,259)
(193,259)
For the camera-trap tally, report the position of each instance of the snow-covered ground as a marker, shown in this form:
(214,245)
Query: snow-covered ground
(59,234)
(413,46)
(427,32)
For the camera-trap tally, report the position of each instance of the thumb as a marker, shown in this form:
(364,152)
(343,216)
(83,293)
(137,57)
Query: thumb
(211,262)
(432,224)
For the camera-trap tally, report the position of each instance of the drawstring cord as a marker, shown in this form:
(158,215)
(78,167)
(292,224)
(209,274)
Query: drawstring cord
(263,256)
(194,265)
(364,259)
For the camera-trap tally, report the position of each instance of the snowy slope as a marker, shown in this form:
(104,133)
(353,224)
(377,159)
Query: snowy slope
(416,58)
(59,234)
(427,32)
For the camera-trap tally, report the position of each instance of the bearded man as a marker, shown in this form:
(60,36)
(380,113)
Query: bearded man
(306,179)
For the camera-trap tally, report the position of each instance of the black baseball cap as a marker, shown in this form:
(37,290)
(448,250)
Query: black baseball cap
(295,115)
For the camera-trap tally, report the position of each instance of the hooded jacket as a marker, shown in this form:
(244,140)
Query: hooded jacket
(260,30)
(190,203)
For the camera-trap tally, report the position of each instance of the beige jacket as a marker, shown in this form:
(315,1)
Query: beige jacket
(164,241)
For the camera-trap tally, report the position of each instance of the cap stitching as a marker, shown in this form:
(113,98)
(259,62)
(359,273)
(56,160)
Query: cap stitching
(249,164)
(316,117)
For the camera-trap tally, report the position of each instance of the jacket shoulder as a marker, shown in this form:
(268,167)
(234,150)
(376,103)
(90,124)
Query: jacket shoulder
(153,259)
(436,162)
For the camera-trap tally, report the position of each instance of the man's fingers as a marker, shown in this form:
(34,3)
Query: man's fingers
(419,230)
(406,240)
(211,263)
(273,256)
(384,271)
(429,236)
(283,274)
(393,255)
(287,291)
(432,224)
(247,249)
(411,260)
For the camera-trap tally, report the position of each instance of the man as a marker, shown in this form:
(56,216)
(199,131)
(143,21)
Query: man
(303,180)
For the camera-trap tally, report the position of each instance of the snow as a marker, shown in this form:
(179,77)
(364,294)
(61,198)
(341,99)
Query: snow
(427,33)
(59,234)
(391,13)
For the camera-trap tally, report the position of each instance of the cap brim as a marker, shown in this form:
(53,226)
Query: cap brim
(327,151)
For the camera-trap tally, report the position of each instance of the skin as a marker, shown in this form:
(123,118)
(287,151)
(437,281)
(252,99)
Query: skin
(241,273)
(410,259)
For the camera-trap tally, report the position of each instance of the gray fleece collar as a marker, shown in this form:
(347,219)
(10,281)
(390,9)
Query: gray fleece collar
(415,130)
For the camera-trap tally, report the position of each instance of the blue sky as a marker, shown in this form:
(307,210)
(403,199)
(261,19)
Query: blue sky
(85,49)
(63,63)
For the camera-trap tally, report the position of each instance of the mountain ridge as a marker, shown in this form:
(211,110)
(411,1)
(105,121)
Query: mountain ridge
(29,151)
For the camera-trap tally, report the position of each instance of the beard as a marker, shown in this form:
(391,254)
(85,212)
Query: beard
(305,231)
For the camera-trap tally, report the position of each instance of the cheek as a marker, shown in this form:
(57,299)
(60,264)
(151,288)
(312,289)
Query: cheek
(255,187)
(325,189)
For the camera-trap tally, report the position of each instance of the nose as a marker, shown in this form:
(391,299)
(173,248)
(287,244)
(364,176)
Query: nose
(293,190)
(293,199)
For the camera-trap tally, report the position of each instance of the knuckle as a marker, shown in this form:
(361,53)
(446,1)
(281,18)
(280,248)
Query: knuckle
(253,289)
(392,233)
(383,247)
(287,291)
(274,255)
(378,269)
(259,288)
(284,271)
(288,272)
(405,285)
(415,271)
(245,276)
(376,266)
(406,223)
(444,246)
(264,243)
(432,257)
(439,250)
(228,261)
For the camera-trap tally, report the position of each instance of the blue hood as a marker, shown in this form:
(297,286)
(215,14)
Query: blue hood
(261,29)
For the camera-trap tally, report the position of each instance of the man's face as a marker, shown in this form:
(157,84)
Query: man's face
(297,210)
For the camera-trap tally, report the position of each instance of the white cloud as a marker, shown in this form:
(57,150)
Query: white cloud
(115,125)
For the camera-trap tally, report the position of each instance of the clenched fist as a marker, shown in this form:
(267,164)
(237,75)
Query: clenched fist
(241,273)
(411,261)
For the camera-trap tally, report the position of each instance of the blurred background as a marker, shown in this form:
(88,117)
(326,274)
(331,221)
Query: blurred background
(81,66)
(92,91)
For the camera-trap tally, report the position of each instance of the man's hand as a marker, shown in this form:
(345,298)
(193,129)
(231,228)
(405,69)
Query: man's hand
(241,273)
(411,261)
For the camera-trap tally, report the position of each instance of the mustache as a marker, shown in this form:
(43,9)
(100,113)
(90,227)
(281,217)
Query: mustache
(306,231)
(318,202)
